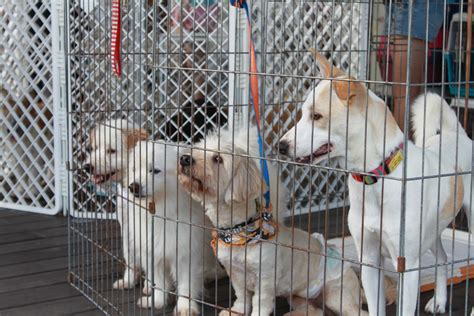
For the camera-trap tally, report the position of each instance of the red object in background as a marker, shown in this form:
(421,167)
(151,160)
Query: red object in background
(115,40)
(434,68)
(196,17)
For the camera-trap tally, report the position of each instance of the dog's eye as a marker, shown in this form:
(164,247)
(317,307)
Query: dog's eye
(111,151)
(317,116)
(155,171)
(218,159)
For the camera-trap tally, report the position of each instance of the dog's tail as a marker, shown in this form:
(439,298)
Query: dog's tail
(430,114)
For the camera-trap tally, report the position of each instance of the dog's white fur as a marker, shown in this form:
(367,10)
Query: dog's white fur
(111,143)
(181,245)
(375,212)
(449,134)
(228,187)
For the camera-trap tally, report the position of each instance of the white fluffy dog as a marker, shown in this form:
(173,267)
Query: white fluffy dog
(181,245)
(372,143)
(263,258)
(110,144)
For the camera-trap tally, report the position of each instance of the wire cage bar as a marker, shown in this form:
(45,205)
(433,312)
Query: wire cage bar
(171,209)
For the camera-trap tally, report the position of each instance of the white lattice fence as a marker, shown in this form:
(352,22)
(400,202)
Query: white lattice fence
(30,153)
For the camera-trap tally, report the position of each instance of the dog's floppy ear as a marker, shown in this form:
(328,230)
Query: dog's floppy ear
(134,136)
(325,66)
(246,182)
(348,90)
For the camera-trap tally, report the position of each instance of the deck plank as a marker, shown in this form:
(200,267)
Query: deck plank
(34,280)
(36,295)
(32,267)
(31,226)
(33,235)
(67,306)
(33,256)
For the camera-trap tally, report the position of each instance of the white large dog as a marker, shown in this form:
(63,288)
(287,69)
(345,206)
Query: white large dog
(343,119)
(181,245)
(219,173)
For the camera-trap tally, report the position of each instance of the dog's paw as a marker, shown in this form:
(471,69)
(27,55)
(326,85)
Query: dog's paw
(226,312)
(185,307)
(147,288)
(439,308)
(122,284)
(148,302)
(144,302)
(299,313)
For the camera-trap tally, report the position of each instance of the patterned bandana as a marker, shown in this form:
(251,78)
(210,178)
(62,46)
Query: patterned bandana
(386,167)
(258,228)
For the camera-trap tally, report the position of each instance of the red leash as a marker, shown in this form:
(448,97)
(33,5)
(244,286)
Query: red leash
(115,40)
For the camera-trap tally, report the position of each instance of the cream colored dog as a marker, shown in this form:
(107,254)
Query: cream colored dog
(263,257)
(343,119)
(177,246)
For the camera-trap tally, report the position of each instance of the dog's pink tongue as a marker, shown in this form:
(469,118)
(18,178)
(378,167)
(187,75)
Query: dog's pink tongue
(97,178)
(324,149)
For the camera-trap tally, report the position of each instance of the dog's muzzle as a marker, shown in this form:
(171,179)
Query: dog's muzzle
(135,189)
(89,168)
(186,160)
(283,147)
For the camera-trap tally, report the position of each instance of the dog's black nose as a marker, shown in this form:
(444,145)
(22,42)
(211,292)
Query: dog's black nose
(88,168)
(283,147)
(186,160)
(134,188)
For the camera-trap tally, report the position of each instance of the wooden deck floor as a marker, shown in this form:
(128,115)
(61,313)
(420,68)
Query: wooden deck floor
(34,271)
(34,267)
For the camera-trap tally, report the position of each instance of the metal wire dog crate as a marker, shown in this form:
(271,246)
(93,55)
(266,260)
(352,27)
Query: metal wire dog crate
(185,73)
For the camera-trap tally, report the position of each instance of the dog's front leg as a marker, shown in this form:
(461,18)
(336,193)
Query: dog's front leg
(263,299)
(132,271)
(410,289)
(129,279)
(441,281)
(372,278)
(161,285)
(186,304)
(242,304)
(373,283)
(189,279)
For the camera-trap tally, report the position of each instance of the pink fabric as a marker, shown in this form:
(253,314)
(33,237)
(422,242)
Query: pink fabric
(199,18)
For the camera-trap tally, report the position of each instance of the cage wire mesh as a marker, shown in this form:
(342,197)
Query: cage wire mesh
(151,94)
(185,73)
(28,152)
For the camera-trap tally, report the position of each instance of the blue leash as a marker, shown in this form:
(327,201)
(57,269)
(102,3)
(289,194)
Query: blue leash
(242,4)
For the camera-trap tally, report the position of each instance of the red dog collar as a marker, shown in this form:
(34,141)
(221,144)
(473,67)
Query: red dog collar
(386,167)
